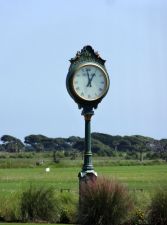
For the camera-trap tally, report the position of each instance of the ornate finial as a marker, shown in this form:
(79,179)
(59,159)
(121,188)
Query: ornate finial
(87,54)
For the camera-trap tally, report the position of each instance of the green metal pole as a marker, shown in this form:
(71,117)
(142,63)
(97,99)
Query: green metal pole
(87,174)
(88,166)
(87,169)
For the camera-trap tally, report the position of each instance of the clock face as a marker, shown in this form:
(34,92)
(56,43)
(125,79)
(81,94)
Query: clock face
(90,82)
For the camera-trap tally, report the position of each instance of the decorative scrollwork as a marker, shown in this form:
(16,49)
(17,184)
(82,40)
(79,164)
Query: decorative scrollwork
(87,54)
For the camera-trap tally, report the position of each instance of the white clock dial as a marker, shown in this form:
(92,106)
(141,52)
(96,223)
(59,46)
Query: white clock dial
(90,82)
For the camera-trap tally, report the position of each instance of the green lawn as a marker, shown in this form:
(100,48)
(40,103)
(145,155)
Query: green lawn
(31,224)
(136,177)
(13,181)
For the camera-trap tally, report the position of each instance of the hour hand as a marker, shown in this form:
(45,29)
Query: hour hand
(89,84)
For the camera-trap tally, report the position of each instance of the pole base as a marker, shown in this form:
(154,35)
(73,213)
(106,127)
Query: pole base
(86,176)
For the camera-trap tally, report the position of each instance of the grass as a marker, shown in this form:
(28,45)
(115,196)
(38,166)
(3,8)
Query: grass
(148,178)
(105,201)
(31,224)
(12,180)
(136,177)
(28,160)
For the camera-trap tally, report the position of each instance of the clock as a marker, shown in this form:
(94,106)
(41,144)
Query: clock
(87,80)
(90,82)
(87,83)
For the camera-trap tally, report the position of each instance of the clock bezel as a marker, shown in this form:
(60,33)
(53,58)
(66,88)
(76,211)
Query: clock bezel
(105,74)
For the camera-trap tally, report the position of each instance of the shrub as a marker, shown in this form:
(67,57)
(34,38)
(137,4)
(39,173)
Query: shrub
(3,156)
(67,207)
(39,204)
(9,208)
(158,208)
(137,218)
(141,199)
(104,202)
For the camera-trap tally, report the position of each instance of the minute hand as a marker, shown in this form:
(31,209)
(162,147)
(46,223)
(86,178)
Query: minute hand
(89,84)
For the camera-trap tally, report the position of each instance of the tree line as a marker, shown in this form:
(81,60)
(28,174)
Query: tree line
(102,144)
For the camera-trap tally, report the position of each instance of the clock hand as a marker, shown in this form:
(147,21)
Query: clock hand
(92,76)
(88,84)
(90,80)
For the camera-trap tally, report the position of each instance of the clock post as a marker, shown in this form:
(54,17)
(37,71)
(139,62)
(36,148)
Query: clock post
(87,169)
(87,83)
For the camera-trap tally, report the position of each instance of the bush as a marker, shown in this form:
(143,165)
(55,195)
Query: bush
(158,208)
(39,204)
(104,202)
(137,218)
(10,208)
(141,199)
(67,207)
(3,156)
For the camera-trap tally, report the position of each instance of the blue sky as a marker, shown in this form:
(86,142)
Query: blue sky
(37,39)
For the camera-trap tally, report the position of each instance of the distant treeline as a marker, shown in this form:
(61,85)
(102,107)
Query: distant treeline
(102,144)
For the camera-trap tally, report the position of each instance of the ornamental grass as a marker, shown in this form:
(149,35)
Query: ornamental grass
(104,202)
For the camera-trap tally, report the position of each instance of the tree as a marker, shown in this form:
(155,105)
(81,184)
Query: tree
(80,145)
(36,141)
(140,145)
(163,143)
(2,148)
(116,144)
(12,144)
